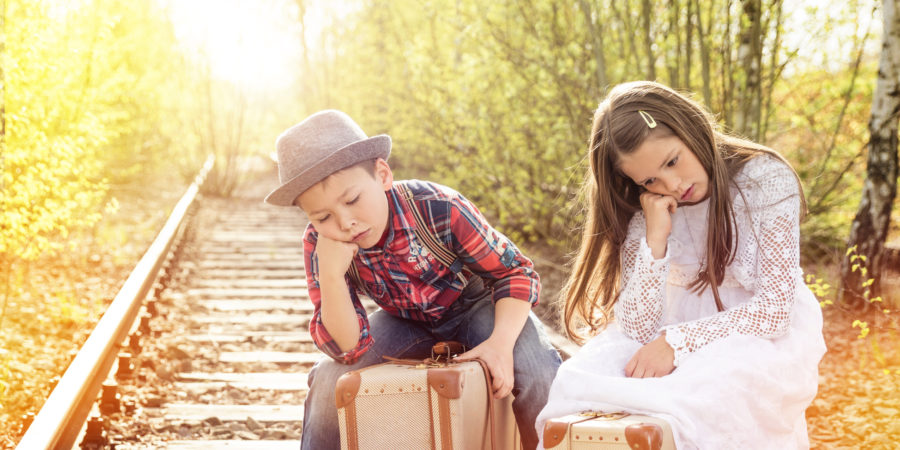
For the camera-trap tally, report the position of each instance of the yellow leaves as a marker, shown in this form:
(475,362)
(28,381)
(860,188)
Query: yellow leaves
(819,288)
(865,331)
(111,206)
(863,271)
(863,328)
(79,84)
(851,252)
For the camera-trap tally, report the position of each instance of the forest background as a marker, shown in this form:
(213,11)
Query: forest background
(110,107)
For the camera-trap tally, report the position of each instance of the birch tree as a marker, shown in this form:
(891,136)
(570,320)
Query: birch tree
(750,56)
(870,226)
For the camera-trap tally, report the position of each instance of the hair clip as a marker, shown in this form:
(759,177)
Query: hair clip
(647,118)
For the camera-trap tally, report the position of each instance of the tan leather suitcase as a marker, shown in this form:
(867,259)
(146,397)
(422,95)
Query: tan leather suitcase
(403,405)
(607,431)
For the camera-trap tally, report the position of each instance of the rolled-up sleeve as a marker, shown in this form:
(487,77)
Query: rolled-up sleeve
(320,335)
(491,255)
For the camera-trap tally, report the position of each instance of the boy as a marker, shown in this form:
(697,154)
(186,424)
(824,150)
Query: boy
(362,221)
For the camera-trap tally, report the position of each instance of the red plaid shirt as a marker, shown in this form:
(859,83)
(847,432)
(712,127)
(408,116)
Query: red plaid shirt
(406,280)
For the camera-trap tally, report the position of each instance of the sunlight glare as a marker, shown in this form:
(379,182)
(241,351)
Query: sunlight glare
(252,43)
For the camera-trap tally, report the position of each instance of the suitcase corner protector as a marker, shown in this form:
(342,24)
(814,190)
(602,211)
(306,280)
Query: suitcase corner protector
(346,388)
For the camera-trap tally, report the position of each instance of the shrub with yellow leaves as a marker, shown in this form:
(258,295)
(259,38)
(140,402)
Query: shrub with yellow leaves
(884,327)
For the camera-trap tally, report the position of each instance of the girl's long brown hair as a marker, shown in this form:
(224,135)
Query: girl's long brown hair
(612,198)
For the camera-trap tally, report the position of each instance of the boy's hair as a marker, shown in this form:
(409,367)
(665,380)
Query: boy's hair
(367,165)
(612,198)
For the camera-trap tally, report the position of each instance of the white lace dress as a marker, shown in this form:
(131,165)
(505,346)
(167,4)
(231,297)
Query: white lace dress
(743,376)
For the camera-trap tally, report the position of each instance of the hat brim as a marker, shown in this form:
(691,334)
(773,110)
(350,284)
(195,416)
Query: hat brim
(357,152)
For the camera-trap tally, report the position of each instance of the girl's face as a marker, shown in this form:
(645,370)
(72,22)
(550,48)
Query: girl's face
(665,166)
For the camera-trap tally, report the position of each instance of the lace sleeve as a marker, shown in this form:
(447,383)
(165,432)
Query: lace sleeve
(639,308)
(773,207)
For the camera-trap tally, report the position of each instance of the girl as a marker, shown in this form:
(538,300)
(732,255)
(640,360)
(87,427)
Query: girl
(691,255)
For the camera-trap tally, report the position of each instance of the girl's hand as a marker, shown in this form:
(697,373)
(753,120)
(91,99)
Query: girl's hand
(656,359)
(658,210)
(334,257)
(499,361)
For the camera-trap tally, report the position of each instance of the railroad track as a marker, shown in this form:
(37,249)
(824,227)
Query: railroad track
(227,365)
(216,357)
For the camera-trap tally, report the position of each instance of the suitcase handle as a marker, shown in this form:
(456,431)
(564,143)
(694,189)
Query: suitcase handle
(447,350)
(441,354)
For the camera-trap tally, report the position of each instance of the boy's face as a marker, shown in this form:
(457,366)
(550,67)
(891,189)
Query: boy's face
(350,205)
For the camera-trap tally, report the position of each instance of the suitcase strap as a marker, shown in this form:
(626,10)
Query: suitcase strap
(430,362)
(490,395)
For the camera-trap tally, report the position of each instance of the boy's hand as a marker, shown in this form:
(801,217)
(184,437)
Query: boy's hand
(658,210)
(656,359)
(334,257)
(499,359)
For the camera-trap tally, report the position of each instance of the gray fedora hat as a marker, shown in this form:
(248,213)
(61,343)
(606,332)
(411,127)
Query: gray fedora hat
(324,143)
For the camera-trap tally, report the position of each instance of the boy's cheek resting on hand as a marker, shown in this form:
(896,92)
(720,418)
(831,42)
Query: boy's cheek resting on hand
(334,256)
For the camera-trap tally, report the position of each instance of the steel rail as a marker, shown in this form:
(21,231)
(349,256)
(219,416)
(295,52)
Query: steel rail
(62,416)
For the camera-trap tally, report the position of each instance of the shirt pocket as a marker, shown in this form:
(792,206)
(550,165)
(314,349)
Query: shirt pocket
(427,269)
(424,267)
(375,289)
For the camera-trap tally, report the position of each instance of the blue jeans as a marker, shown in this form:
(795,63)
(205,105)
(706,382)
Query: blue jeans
(470,320)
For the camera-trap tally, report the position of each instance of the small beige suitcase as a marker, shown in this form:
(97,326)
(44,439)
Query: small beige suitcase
(443,406)
(607,431)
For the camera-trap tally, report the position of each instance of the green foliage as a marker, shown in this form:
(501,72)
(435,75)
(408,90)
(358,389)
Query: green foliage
(84,91)
(51,169)
(495,99)
(89,87)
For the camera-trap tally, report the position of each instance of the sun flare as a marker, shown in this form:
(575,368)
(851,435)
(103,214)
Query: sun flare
(251,43)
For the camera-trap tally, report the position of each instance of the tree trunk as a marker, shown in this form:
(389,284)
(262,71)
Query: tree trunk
(627,32)
(648,39)
(688,47)
(672,52)
(702,38)
(750,56)
(774,67)
(727,74)
(310,95)
(595,29)
(870,226)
